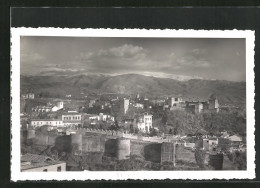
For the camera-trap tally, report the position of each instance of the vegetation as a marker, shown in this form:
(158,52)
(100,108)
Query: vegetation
(239,159)
(184,123)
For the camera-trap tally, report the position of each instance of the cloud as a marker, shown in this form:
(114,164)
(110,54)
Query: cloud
(126,51)
(198,51)
(84,56)
(57,69)
(130,58)
(191,59)
(124,57)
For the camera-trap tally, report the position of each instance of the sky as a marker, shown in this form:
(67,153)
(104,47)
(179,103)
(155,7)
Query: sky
(177,58)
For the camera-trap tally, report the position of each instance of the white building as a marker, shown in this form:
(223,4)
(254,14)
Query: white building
(59,106)
(71,118)
(173,101)
(210,144)
(42,109)
(145,122)
(139,105)
(235,138)
(105,117)
(28,96)
(50,122)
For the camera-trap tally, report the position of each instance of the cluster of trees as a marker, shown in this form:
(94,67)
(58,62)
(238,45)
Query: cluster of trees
(238,159)
(183,123)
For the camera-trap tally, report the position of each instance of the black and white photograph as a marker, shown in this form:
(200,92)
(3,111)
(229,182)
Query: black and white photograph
(113,104)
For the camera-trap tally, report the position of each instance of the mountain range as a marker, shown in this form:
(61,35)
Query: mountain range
(227,92)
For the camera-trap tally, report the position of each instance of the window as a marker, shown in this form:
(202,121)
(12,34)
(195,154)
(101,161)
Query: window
(59,169)
(45,170)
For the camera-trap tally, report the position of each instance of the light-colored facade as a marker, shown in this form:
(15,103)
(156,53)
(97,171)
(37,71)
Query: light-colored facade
(105,117)
(145,122)
(57,107)
(42,109)
(91,103)
(174,101)
(50,122)
(28,96)
(124,105)
(60,104)
(210,144)
(71,118)
(139,105)
(198,108)
(235,138)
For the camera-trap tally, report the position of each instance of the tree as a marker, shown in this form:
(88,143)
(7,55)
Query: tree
(86,123)
(153,132)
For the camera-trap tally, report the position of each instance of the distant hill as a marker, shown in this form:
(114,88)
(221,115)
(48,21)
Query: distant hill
(226,91)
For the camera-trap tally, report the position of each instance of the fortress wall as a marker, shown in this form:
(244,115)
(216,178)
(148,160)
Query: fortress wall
(93,144)
(123,148)
(184,154)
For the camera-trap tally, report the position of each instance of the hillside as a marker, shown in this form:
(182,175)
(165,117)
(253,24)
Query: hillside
(227,92)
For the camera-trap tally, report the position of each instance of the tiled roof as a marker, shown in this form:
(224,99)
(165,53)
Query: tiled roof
(34,158)
(29,161)
(70,113)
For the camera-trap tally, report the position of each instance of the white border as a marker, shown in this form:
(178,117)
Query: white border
(124,175)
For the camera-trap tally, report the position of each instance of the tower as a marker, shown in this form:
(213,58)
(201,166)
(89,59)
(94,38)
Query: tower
(213,103)
(124,105)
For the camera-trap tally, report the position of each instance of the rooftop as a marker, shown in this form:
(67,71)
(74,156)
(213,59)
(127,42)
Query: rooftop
(46,120)
(29,161)
(71,113)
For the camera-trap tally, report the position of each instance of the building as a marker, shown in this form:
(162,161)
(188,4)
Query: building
(173,101)
(213,104)
(235,138)
(40,163)
(60,104)
(139,105)
(28,96)
(42,109)
(91,103)
(50,122)
(194,107)
(144,122)
(198,108)
(124,105)
(129,124)
(210,144)
(71,118)
(92,117)
(105,117)
(158,102)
